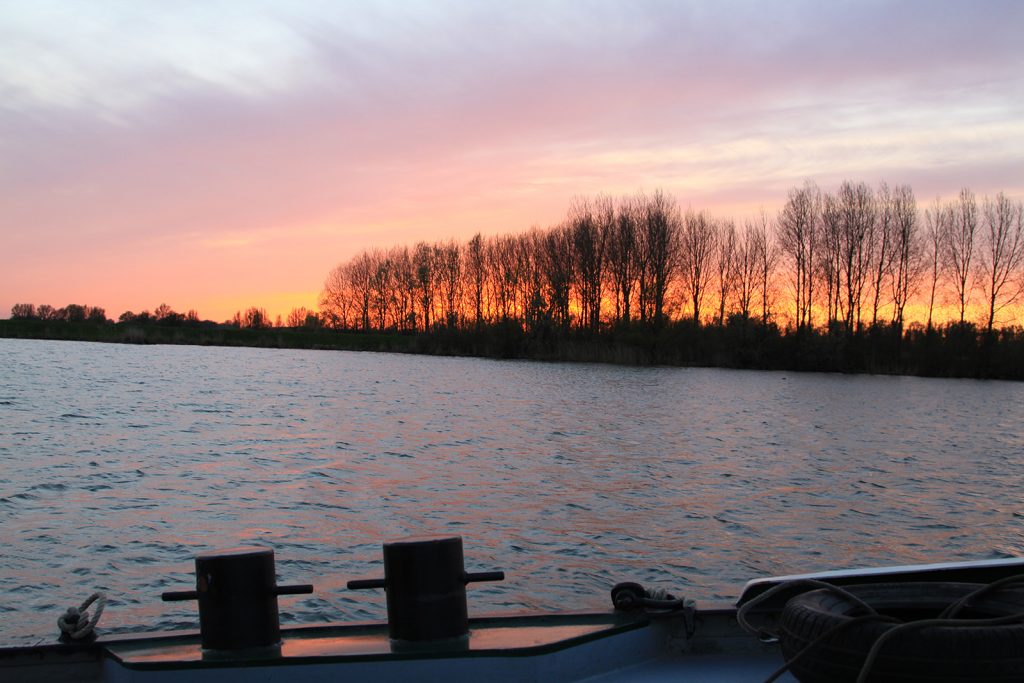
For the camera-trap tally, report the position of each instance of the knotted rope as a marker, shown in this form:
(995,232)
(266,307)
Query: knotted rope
(76,623)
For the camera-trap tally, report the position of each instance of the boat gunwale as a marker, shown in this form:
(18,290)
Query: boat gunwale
(106,647)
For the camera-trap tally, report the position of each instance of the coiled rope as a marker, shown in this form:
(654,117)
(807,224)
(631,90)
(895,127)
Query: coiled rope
(629,596)
(76,623)
(655,602)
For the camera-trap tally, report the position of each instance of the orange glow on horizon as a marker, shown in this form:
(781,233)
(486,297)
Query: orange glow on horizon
(251,159)
(276,304)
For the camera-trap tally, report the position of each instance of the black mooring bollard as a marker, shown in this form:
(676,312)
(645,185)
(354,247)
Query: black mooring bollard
(426,582)
(237,593)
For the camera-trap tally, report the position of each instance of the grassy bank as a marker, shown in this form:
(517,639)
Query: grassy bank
(202,335)
(951,351)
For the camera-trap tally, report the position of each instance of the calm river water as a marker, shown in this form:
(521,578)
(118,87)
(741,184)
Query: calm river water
(119,463)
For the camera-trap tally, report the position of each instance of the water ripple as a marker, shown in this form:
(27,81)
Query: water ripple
(568,477)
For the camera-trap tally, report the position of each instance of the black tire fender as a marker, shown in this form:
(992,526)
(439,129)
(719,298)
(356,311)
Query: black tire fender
(963,653)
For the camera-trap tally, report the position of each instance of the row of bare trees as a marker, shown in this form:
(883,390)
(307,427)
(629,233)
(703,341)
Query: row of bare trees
(865,251)
(608,263)
(845,259)
(995,266)
(859,248)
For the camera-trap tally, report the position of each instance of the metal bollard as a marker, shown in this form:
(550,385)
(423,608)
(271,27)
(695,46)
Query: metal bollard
(426,582)
(237,593)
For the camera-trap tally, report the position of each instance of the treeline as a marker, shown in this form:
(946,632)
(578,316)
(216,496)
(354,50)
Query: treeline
(826,284)
(254,317)
(203,333)
(950,350)
(72,313)
(836,262)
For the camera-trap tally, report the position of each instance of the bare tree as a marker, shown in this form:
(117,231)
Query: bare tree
(604,212)
(857,209)
(449,277)
(830,254)
(344,300)
(746,268)
(558,270)
(528,265)
(404,283)
(475,272)
(23,312)
(360,274)
(587,221)
(507,276)
(297,317)
(907,261)
(698,242)
(163,312)
(960,247)
(622,255)
(254,318)
(593,267)
(423,267)
(332,300)
(659,244)
(725,262)
(1002,255)
(767,254)
(798,228)
(881,243)
(533,287)
(382,287)
(937,220)
(498,296)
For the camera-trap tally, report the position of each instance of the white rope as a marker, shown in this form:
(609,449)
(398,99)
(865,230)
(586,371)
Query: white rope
(658,594)
(76,624)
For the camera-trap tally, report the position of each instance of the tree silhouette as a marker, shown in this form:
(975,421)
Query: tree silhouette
(1002,255)
(959,245)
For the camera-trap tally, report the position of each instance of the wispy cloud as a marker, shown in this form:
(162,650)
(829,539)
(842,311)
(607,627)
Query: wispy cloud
(309,130)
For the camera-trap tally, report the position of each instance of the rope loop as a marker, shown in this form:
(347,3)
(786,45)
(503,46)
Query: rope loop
(76,624)
(630,596)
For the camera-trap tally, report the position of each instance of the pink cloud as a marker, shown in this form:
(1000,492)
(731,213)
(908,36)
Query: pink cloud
(426,124)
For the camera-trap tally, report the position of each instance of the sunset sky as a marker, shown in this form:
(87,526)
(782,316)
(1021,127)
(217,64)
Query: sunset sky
(217,155)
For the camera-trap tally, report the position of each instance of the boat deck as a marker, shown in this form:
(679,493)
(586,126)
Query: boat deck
(572,647)
(633,644)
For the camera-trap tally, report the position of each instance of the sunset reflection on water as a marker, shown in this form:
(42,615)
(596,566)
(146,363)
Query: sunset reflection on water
(120,463)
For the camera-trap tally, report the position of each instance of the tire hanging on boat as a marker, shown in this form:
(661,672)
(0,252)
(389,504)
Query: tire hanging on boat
(841,641)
